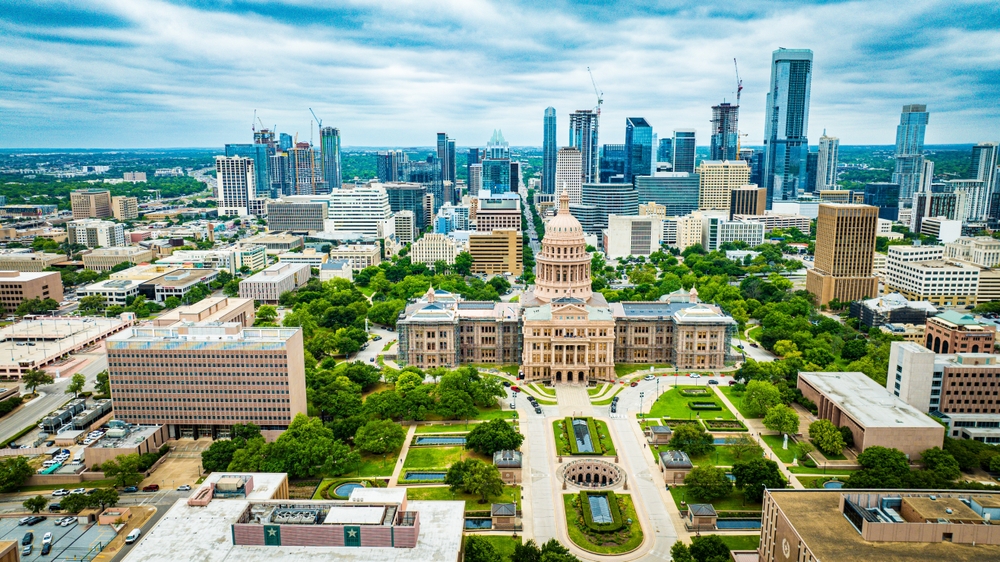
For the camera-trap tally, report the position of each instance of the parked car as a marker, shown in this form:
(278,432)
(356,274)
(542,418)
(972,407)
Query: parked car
(151,488)
(538,409)
(24,520)
(54,507)
(695,376)
(377,338)
(60,492)
(46,538)
(36,519)
(46,549)
(130,489)
(634,384)
(648,378)
(732,382)
(713,381)
(27,550)
(512,405)
(133,536)
(506,383)
(28,538)
(184,488)
(515,389)
(79,491)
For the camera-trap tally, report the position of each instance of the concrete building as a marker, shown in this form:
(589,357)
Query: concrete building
(405,223)
(919,273)
(873,415)
(113,291)
(336,269)
(134,177)
(941,228)
(687,230)
(231,259)
(845,248)
(212,310)
(508,462)
(748,200)
(28,261)
(677,191)
(955,332)
(772,220)
(269,283)
(55,338)
(496,253)
(717,231)
(363,209)
(243,375)
(94,233)
(309,256)
(570,172)
(632,236)
(893,308)
(434,247)
(276,243)
(236,184)
(296,216)
(653,209)
(498,213)
(125,208)
(106,259)
(177,282)
(983,251)
(17,287)
(91,204)
(359,255)
(717,180)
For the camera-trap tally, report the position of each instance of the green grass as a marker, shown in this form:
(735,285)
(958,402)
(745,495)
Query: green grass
(741,542)
(607,399)
(330,484)
(755,333)
(596,390)
(605,436)
(722,456)
(432,457)
(511,494)
(732,502)
(829,471)
(442,428)
(388,345)
(494,413)
(562,445)
(672,404)
(736,398)
(622,369)
(542,389)
(507,369)
(375,465)
(504,545)
(815,481)
(582,540)
(786,455)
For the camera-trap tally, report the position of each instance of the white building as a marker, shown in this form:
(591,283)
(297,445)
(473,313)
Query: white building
(981,250)
(364,209)
(718,178)
(884,227)
(335,269)
(231,259)
(475,178)
(632,236)
(113,291)
(236,184)
(687,230)
(268,284)
(405,227)
(569,178)
(308,256)
(826,165)
(360,256)
(435,247)
(717,231)
(94,233)
(941,228)
(772,221)
(919,273)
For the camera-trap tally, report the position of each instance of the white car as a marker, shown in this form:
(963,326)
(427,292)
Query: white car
(648,378)
(695,376)
(60,492)
(184,488)
(47,538)
(79,491)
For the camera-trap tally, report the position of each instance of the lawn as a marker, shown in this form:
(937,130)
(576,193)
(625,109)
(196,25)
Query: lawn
(722,456)
(375,465)
(542,389)
(622,369)
(495,412)
(329,485)
(741,542)
(829,471)
(432,457)
(755,333)
(443,493)
(596,390)
(605,436)
(607,399)
(503,544)
(733,502)
(815,481)
(736,398)
(460,427)
(672,404)
(786,455)
(562,446)
(506,369)
(583,541)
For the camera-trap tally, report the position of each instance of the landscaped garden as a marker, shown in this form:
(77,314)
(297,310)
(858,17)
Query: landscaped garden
(328,489)
(733,502)
(511,494)
(736,399)
(503,544)
(376,465)
(689,402)
(623,369)
(775,442)
(438,457)
(602,522)
(585,436)
(445,428)
(607,397)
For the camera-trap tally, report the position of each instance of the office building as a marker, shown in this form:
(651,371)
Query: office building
(359,255)
(983,251)
(297,216)
(405,226)
(91,204)
(631,236)
(812,162)
(653,209)
(201,379)
(929,204)
(892,308)
(18,286)
(909,149)
(391,165)
(231,259)
(920,273)
(583,126)
(106,259)
(434,247)
(336,269)
(549,150)
(260,154)
(786,124)
(305,175)
(446,157)
(114,291)
(407,197)
(956,332)
(638,148)
(941,228)
(311,256)
(134,177)
(277,243)
(329,148)
(717,179)
(27,261)
(495,213)
(516,177)
(612,168)
(684,151)
(665,151)
(236,178)
(725,130)
(473,157)
(94,233)
(604,199)
(496,166)
(717,231)
(212,309)
(845,248)
(363,209)
(677,191)
(459,217)
(750,200)
(269,283)
(125,208)
(475,183)
(56,339)
(497,253)
(826,164)
(885,196)
(570,172)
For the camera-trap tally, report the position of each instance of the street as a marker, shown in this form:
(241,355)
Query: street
(374,348)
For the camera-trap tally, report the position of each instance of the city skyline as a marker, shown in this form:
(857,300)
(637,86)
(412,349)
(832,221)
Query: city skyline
(161,74)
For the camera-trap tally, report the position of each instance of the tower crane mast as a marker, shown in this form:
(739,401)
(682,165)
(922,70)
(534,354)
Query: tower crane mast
(739,83)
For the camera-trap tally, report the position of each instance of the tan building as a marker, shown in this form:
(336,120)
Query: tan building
(360,255)
(106,259)
(434,247)
(125,441)
(653,209)
(675,466)
(774,220)
(12,260)
(277,243)
(509,464)
(17,287)
(497,253)
(10,551)
(125,208)
(243,375)
(955,332)
(747,200)
(873,415)
(267,285)
(717,179)
(845,248)
(309,257)
(497,214)
(213,309)
(91,204)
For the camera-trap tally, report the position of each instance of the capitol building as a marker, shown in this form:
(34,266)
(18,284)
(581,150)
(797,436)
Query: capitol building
(562,331)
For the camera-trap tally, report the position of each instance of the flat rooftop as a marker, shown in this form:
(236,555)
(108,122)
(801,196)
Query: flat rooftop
(866,401)
(137,435)
(22,276)
(52,337)
(206,332)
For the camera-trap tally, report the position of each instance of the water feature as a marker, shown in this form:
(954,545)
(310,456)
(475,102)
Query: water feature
(424,476)
(344,490)
(719,440)
(436,440)
(833,484)
(582,434)
(600,510)
(737,524)
(730,476)
(478,523)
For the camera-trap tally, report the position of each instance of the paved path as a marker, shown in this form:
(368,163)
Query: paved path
(394,479)
(538,506)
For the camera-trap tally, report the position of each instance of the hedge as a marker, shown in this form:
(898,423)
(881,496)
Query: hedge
(8,405)
(704,406)
(571,437)
(595,438)
(588,518)
(725,425)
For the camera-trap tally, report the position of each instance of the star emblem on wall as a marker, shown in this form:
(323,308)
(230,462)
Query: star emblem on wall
(272,532)
(352,533)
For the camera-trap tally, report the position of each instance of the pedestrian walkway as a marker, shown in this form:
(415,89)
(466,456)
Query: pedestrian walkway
(538,507)
(394,479)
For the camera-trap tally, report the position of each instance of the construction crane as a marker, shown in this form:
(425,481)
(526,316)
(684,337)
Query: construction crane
(739,83)
(253,122)
(597,92)
(261,124)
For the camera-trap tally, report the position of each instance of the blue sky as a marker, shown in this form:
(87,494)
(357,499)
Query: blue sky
(169,73)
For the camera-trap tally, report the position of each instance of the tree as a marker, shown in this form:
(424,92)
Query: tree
(881,467)
(232,288)
(366,376)
(754,475)
(854,349)
(92,303)
(35,504)
(455,477)
(13,473)
(267,313)
(553,551)
(455,404)
(527,552)
(34,378)
(386,312)
(380,437)
(104,497)
(782,419)
(707,483)
(492,436)
(172,302)
(709,548)
(463,263)
(479,549)
(123,469)
(759,397)
(76,384)
(826,437)
(680,552)
(847,434)
(484,481)
(692,439)
(103,384)
(743,447)
(74,503)
(219,454)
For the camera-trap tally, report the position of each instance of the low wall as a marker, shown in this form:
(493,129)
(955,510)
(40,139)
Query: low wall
(62,479)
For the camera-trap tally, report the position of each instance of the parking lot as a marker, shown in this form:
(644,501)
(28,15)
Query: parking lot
(68,543)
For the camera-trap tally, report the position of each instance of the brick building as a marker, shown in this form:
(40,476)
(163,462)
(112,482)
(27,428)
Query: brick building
(955,332)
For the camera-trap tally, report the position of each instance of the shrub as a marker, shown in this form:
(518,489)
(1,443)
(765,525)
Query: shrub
(588,517)
(571,436)
(702,405)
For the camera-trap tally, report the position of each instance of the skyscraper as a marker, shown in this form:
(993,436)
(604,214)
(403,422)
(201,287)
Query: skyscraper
(684,150)
(984,168)
(569,164)
(329,146)
(665,150)
(826,165)
(638,147)
(583,137)
(549,150)
(260,156)
(845,253)
(885,196)
(717,179)
(909,150)
(285,141)
(303,171)
(725,132)
(446,156)
(812,163)
(390,165)
(613,158)
(474,157)
(496,165)
(786,123)
(237,184)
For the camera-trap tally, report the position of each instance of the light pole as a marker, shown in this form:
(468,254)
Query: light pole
(641,405)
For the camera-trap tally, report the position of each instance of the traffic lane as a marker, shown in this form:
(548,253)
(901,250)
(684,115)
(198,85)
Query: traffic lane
(756,353)
(646,390)
(161,510)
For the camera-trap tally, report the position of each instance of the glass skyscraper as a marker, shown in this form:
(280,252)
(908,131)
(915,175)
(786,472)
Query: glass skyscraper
(259,154)
(583,137)
(725,128)
(613,158)
(910,150)
(786,123)
(665,150)
(638,147)
(496,165)
(329,147)
(549,150)
(684,150)
(677,191)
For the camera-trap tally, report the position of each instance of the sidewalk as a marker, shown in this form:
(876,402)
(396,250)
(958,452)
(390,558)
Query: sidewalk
(394,479)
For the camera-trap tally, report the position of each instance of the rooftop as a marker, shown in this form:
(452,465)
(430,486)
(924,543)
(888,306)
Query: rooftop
(894,301)
(280,271)
(866,401)
(35,341)
(222,332)
(136,435)
(23,276)
(675,459)
(958,318)
(507,459)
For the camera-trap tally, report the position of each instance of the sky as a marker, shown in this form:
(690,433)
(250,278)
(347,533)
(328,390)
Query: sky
(175,73)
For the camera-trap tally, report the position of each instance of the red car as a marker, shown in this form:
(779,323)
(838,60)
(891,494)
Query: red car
(634,384)
(151,488)
(515,389)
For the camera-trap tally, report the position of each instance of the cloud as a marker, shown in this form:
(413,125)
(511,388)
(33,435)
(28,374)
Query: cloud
(120,73)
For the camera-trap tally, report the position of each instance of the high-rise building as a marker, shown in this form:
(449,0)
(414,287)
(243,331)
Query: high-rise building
(497,253)
(496,165)
(725,132)
(684,150)
(515,177)
(910,150)
(260,155)
(665,150)
(19,286)
(95,233)
(283,216)
(605,199)
(826,165)
(717,178)
(304,173)
(569,172)
(638,147)
(391,165)
(91,203)
(407,197)
(452,163)
(747,200)
(364,209)
(549,150)
(583,125)
(845,252)
(885,196)
(677,191)
(613,157)
(446,156)
(812,163)
(279,174)
(125,208)
(984,169)
(786,124)
(475,181)
(284,141)
(329,143)
(475,156)
(236,177)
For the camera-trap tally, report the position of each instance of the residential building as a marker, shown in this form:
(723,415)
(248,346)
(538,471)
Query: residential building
(475,180)
(772,220)
(684,151)
(231,259)
(336,269)
(941,228)
(106,259)
(329,149)
(677,191)
(612,167)
(28,261)
(569,172)
(687,230)
(497,253)
(236,178)
(909,149)
(717,180)
(446,157)
(308,256)
(920,273)
(891,309)
(786,124)
(845,248)
(872,414)
(268,284)
(955,332)
(496,213)
(94,233)
(359,255)
(638,148)
(18,286)
(583,125)
(391,166)
(305,172)
(549,150)
(717,231)
(725,132)
(435,247)
(260,154)
(408,197)
(405,226)
(91,204)
(459,216)
(125,208)
(212,310)
(885,196)
(632,235)
(749,200)
(277,243)
(972,198)
(243,375)
(826,162)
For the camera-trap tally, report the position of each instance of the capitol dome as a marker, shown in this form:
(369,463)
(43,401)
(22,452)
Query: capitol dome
(563,265)
(563,226)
